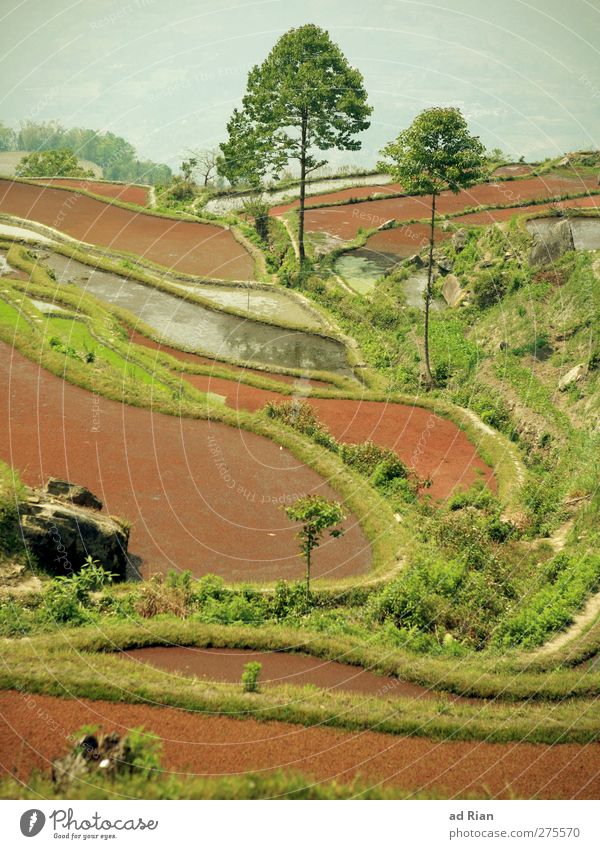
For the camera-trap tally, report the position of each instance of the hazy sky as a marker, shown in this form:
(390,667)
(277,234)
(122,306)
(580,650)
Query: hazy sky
(166,75)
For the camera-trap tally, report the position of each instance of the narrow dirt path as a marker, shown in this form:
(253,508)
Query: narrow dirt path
(35,729)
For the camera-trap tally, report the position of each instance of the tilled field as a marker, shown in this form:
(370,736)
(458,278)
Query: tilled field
(35,729)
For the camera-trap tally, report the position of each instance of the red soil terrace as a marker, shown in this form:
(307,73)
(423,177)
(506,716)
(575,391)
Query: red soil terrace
(278,668)
(492,215)
(191,247)
(341,195)
(404,241)
(36,729)
(200,495)
(408,239)
(435,447)
(343,221)
(118,191)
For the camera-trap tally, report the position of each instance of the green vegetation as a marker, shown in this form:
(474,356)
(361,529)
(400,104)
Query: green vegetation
(116,156)
(304,96)
(275,785)
(435,153)
(250,676)
(315,515)
(52,163)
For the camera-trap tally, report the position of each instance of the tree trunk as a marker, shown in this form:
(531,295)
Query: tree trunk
(301,253)
(428,375)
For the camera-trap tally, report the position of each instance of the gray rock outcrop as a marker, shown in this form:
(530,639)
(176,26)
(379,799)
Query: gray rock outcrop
(551,239)
(74,493)
(452,291)
(61,533)
(574,375)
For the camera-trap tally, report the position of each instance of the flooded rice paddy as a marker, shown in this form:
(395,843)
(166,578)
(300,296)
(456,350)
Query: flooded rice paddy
(190,325)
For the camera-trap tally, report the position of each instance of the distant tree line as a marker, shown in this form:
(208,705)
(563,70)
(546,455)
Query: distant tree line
(114,154)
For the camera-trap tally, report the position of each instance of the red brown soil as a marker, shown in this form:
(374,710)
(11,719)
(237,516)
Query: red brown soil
(344,221)
(492,215)
(404,241)
(34,730)
(341,195)
(201,495)
(277,668)
(119,191)
(186,246)
(433,446)
(408,239)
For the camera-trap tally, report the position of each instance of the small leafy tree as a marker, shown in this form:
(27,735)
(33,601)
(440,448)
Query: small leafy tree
(435,153)
(52,163)
(187,168)
(316,515)
(258,209)
(304,96)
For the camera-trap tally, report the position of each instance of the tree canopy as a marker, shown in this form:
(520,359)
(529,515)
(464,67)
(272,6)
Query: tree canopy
(52,163)
(304,98)
(316,515)
(115,155)
(305,81)
(436,152)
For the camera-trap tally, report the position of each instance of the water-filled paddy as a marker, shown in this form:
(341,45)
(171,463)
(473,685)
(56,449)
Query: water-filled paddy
(261,303)
(362,268)
(191,325)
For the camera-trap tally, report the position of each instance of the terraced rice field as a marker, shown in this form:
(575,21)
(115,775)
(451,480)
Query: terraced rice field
(190,247)
(219,334)
(344,221)
(200,495)
(218,745)
(117,191)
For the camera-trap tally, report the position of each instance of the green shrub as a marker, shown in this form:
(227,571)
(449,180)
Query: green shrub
(210,587)
(302,417)
(67,599)
(145,750)
(15,620)
(365,457)
(289,600)
(489,288)
(173,595)
(250,676)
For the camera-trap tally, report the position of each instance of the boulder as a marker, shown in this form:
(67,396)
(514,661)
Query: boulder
(459,240)
(550,241)
(452,291)
(576,374)
(74,493)
(61,535)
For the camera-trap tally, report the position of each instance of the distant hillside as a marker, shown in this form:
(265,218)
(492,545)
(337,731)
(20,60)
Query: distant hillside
(108,154)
